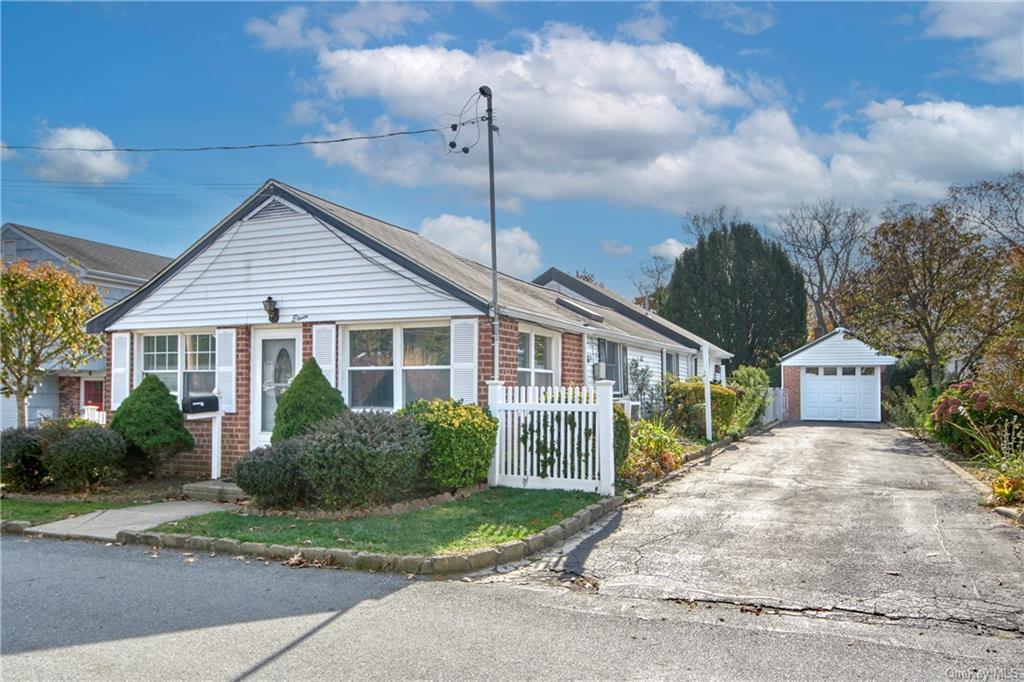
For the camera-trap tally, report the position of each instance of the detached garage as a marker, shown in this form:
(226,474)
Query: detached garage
(835,378)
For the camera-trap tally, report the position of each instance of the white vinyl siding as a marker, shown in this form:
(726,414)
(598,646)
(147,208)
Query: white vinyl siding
(651,359)
(837,351)
(310,269)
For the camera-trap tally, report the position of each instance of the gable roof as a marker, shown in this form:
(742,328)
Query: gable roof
(97,256)
(461,277)
(601,295)
(846,336)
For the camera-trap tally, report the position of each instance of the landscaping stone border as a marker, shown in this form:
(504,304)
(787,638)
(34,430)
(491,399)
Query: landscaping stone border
(385,510)
(442,564)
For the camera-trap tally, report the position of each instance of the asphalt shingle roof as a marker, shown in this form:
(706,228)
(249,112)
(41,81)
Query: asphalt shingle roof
(97,256)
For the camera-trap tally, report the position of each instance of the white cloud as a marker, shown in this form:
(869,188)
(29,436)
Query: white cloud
(747,19)
(518,251)
(653,124)
(355,27)
(756,52)
(994,26)
(647,25)
(670,248)
(79,166)
(614,248)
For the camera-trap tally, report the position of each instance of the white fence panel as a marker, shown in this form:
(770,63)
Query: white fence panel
(94,414)
(776,406)
(553,438)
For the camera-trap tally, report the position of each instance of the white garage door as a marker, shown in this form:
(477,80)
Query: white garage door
(850,394)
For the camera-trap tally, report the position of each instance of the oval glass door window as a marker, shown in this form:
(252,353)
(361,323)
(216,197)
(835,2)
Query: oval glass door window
(277,372)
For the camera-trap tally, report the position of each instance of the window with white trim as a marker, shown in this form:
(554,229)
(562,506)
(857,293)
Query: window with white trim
(200,372)
(419,356)
(426,363)
(613,355)
(160,358)
(672,364)
(371,368)
(535,359)
(186,363)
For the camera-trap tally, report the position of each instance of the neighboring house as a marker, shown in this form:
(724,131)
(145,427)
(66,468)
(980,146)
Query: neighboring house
(683,364)
(389,316)
(836,377)
(115,271)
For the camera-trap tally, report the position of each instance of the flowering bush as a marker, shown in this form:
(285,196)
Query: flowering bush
(960,408)
(654,448)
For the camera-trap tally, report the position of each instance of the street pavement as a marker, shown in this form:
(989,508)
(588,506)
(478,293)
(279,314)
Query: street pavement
(716,600)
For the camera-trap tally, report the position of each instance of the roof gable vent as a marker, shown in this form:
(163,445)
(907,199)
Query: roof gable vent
(275,209)
(580,309)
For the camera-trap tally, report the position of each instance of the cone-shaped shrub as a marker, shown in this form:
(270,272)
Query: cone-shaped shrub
(151,423)
(307,400)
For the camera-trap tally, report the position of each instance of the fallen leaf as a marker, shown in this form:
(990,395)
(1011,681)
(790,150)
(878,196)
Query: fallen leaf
(897,573)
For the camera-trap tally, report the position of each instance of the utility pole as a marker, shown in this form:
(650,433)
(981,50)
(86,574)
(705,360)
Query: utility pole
(495,321)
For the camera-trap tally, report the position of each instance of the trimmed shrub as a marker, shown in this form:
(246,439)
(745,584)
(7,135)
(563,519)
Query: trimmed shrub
(271,475)
(21,459)
(308,400)
(86,456)
(751,385)
(685,402)
(620,437)
(462,440)
(654,448)
(152,426)
(364,458)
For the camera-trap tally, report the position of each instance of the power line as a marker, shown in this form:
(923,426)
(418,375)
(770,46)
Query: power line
(239,147)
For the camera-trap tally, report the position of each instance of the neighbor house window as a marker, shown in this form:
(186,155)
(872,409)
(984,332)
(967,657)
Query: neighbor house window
(92,393)
(535,359)
(426,363)
(371,374)
(672,364)
(160,358)
(200,375)
(613,355)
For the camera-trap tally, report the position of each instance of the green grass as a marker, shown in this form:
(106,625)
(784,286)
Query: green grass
(43,511)
(482,520)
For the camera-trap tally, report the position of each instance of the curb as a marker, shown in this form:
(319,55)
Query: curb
(1011,513)
(442,564)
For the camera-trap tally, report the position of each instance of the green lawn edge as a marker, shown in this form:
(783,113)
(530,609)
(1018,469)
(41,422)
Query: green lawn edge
(482,520)
(38,512)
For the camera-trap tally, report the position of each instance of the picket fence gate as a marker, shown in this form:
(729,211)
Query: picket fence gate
(553,438)
(776,407)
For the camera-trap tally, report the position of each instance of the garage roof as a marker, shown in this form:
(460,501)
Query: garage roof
(839,347)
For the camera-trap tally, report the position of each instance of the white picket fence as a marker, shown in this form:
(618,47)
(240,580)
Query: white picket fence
(94,414)
(776,406)
(553,438)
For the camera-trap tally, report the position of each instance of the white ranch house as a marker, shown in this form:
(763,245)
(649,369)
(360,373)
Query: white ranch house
(389,316)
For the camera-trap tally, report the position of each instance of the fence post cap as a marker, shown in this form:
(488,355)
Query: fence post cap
(493,382)
(604,382)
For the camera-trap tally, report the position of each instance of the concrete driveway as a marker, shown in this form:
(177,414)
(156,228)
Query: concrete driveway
(834,520)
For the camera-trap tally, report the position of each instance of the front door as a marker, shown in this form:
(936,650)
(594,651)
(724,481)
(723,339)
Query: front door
(276,357)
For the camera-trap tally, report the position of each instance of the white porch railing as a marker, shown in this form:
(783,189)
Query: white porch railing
(553,438)
(94,414)
(776,406)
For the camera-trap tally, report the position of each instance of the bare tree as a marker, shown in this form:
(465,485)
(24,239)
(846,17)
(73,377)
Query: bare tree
(720,217)
(993,207)
(650,280)
(824,240)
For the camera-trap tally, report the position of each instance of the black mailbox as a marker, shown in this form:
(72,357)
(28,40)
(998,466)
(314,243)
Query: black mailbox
(200,403)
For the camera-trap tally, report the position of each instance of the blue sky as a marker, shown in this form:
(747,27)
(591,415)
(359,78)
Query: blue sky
(616,119)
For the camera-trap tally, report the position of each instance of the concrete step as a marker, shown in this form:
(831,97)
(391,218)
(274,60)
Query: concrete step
(214,491)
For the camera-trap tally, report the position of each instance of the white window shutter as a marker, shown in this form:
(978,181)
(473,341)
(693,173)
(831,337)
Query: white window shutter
(464,366)
(226,369)
(323,351)
(120,358)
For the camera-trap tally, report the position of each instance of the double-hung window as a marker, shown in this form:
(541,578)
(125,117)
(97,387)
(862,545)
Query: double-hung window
(535,355)
(426,363)
(389,367)
(186,363)
(613,355)
(672,364)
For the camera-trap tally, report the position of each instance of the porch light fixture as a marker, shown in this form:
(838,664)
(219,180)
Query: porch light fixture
(270,305)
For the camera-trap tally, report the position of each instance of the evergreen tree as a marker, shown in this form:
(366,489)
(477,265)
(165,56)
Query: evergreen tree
(309,399)
(742,293)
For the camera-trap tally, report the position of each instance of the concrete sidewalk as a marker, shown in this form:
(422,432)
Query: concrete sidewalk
(104,524)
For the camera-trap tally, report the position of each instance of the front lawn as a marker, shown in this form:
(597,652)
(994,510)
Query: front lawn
(482,520)
(44,511)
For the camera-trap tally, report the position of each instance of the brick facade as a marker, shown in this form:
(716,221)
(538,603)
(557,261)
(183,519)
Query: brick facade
(307,342)
(69,394)
(791,383)
(509,341)
(572,360)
